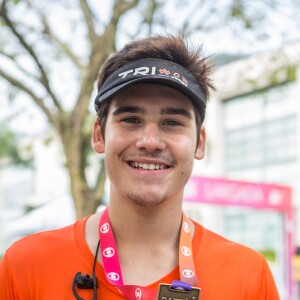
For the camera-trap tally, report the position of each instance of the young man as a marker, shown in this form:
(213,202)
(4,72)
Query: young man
(151,105)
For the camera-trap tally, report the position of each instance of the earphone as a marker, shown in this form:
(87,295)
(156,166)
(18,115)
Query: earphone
(85,281)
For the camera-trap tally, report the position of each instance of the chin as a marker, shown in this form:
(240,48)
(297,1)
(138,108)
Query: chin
(146,201)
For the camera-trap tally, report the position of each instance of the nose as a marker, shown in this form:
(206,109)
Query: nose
(151,139)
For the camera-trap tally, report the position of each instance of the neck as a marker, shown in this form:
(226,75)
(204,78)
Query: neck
(144,225)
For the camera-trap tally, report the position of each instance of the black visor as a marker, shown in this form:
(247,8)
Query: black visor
(154,71)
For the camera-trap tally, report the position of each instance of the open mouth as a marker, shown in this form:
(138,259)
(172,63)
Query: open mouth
(146,166)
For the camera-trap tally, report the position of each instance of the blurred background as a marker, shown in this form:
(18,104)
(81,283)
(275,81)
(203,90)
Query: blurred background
(246,188)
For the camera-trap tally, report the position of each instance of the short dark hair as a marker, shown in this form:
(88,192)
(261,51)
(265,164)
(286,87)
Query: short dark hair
(170,48)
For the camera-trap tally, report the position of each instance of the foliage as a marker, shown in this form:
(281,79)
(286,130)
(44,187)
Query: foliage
(269,254)
(9,150)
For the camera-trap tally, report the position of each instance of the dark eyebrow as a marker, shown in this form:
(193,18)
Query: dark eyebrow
(176,111)
(164,111)
(128,109)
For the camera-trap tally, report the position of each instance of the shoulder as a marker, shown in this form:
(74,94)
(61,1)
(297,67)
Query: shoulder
(30,264)
(213,240)
(45,241)
(224,250)
(223,265)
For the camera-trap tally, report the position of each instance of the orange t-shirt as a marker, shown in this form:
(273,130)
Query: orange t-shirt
(42,267)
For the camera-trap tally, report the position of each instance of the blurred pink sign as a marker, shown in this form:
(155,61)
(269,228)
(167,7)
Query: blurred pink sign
(238,193)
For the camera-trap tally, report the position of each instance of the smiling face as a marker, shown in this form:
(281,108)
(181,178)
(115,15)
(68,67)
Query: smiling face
(150,144)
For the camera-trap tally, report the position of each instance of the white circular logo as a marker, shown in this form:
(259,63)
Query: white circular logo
(113,276)
(109,252)
(104,228)
(186,227)
(138,294)
(188,273)
(186,251)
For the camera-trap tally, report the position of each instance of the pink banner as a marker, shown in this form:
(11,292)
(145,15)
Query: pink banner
(231,192)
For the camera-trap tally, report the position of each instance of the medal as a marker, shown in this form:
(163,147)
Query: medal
(166,292)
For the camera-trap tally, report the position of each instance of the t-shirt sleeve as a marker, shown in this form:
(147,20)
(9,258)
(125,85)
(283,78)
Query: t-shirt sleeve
(7,288)
(268,289)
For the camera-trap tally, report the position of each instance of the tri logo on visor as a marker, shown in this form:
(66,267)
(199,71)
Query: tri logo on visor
(154,71)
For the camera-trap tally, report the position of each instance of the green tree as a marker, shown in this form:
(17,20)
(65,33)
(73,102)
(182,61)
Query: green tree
(51,51)
(9,150)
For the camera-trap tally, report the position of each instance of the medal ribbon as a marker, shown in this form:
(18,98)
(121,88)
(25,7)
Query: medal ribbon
(112,266)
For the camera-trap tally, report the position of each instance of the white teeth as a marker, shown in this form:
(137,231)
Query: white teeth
(151,166)
(146,166)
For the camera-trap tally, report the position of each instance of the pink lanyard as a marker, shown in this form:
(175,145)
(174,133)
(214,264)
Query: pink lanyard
(112,266)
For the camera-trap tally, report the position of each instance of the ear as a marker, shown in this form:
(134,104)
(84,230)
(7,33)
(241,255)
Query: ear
(97,139)
(200,150)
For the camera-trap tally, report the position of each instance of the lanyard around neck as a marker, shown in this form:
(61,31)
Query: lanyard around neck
(112,266)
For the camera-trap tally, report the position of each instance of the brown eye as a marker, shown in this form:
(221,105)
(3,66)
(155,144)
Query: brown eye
(171,123)
(131,120)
